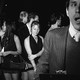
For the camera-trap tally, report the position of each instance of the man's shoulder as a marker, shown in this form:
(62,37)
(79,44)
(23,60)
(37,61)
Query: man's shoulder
(58,30)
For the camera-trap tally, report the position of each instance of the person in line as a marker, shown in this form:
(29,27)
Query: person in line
(32,17)
(55,20)
(10,46)
(62,46)
(23,32)
(34,48)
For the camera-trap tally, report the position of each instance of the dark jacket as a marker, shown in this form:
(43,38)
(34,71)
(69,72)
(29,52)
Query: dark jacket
(53,56)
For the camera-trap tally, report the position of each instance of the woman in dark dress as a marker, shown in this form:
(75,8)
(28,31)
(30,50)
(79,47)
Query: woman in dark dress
(34,47)
(11,46)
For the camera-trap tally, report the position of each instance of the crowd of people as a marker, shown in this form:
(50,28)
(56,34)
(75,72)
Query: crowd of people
(56,53)
(21,38)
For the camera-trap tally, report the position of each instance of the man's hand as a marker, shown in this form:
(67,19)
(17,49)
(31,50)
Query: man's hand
(61,72)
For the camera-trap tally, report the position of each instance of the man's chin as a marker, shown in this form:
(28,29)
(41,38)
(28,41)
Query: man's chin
(77,28)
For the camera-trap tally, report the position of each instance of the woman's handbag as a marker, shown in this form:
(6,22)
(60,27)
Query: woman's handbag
(17,62)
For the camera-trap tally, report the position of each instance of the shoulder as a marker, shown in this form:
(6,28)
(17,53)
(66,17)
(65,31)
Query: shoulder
(20,23)
(16,37)
(57,31)
(41,37)
(27,39)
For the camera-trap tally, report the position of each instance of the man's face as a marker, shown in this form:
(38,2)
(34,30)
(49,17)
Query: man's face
(73,13)
(25,19)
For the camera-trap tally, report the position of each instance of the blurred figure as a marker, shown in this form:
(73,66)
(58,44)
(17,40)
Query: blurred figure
(32,17)
(34,48)
(55,20)
(62,46)
(23,32)
(10,46)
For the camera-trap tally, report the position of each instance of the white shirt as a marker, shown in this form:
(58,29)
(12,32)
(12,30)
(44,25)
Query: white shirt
(73,31)
(29,28)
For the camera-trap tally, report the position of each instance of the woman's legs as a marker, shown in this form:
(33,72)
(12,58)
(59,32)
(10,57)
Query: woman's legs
(15,76)
(11,76)
(24,76)
(7,76)
(31,74)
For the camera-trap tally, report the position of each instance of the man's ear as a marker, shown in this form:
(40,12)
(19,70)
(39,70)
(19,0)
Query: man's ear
(67,12)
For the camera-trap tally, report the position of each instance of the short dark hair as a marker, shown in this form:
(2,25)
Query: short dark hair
(67,3)
(22,14)
(1,21)
(32,15)
(54,17)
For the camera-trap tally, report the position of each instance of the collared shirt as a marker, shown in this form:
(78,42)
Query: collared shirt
(72,30)
(28,26)
(75,34)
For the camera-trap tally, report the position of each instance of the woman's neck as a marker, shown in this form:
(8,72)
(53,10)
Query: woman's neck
(35,37)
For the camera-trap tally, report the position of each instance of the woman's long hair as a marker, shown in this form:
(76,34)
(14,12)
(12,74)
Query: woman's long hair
(7,34)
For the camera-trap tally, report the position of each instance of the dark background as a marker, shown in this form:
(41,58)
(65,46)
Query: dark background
(11,9)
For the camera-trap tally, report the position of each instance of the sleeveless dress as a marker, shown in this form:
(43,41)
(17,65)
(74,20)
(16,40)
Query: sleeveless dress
(9,45)
(36,47)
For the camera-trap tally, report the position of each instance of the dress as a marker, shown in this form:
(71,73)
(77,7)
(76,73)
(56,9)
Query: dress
(36,47)
(9,45)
